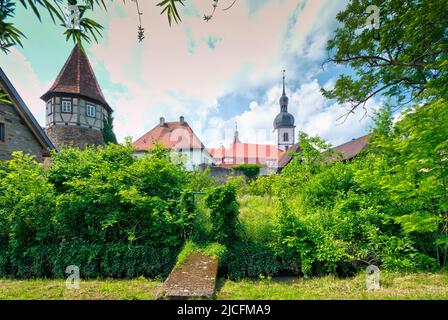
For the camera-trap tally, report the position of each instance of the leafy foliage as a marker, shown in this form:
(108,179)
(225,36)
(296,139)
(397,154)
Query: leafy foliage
(102,201)
(90,30)
(249,170)
(405,59)
(224,213)
(108,131)
(386,207)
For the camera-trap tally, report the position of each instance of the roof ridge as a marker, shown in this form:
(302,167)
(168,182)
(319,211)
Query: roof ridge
(27,116)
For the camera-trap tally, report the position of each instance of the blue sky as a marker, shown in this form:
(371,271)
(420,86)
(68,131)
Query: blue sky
(214,73)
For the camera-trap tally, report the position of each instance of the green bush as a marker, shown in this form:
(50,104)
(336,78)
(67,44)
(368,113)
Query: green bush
(249,170)
(224,213)
(250,259)
(386,207)
(89,207)
(94,260)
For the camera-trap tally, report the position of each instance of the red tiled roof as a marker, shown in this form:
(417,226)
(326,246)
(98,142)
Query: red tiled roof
(77,77)
(350,149)
(345,151)
(246,153)
(172,135)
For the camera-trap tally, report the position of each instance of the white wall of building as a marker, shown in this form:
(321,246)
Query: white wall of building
(282,143)
(190,158)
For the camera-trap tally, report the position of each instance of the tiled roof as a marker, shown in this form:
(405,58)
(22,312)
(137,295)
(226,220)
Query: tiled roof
(345,151)
(77,77)
(350,149)
(286,157)
(247,152)
(172,135)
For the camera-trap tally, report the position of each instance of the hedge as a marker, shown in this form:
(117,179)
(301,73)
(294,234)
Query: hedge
(94,261)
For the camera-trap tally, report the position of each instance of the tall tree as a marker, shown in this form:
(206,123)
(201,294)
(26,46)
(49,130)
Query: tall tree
(405,57)
(108,131)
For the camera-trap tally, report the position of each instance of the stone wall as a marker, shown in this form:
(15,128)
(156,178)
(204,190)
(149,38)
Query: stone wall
(73,135)
(221,174)
(18,136)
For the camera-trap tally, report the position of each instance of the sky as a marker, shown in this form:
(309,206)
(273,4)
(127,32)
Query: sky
(216,74)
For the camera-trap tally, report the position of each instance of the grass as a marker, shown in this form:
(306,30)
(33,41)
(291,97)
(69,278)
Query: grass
(213,249)
(257,217)
(421,286)
(136,289)
(393,286)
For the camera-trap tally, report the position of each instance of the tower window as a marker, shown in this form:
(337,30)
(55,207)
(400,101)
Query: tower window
(49,107)
(2,132)
(91,111)
(66,106)
(285,137)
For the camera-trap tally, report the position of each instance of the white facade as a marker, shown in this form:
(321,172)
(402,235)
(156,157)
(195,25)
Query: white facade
(190,158)
(193,158)
(285,138)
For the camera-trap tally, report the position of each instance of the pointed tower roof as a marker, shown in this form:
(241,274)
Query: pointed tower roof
(236,138)
(284,119)
(77,77)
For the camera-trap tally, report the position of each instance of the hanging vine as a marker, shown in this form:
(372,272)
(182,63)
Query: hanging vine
(208,17)
(140,29)
(83,29)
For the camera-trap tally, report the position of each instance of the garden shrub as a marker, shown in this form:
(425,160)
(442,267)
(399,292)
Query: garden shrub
(224,210)
(250,170)
(103,209)
(94,260)
(250,259)
(385,207)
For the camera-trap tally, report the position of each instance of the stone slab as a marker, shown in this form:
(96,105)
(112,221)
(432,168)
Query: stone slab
(194,278)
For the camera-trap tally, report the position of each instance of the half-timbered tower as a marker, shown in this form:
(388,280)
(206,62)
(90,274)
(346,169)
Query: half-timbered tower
(75,106)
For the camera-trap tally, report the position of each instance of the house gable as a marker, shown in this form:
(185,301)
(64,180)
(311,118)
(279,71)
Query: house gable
(21,130)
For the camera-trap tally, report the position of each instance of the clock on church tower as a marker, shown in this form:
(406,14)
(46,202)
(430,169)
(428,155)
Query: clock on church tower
(284,123)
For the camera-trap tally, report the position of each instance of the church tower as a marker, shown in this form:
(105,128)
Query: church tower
(284,123)
(75,105)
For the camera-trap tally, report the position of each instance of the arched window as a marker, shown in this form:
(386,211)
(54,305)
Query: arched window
(285,137)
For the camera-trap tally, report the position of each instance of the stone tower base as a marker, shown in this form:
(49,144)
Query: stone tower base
(75,136)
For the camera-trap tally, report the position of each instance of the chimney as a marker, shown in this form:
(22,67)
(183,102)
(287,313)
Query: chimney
(162,121)
(182,120)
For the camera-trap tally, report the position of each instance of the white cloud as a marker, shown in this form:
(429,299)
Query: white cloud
(23,77)
(313,114)
(172,74)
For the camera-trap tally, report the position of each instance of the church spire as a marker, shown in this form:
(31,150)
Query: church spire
(284,122)
(284,98)
(236,138)
(284,82)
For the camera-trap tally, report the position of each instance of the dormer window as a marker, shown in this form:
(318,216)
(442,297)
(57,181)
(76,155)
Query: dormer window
(91,111)
(66,106)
